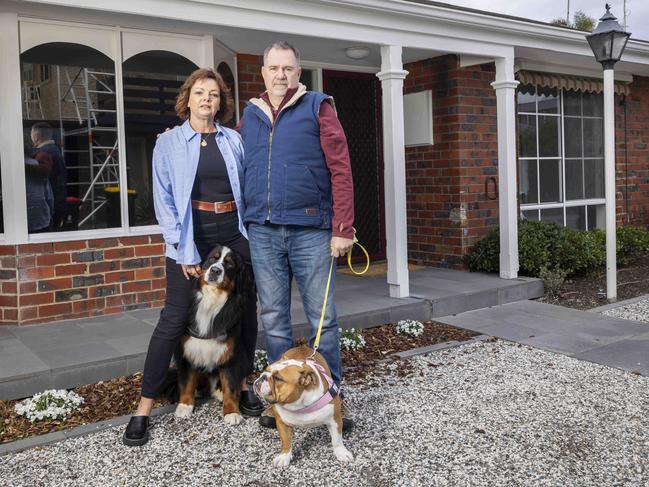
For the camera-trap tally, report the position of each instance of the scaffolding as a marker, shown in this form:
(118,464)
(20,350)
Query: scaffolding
(32,100)
(94,145)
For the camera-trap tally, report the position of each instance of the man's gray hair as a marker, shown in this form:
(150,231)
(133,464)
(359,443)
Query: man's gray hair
(285,46)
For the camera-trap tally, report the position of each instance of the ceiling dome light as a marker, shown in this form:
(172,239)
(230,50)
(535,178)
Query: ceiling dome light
(357,52)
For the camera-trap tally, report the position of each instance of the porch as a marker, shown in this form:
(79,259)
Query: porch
(74,352)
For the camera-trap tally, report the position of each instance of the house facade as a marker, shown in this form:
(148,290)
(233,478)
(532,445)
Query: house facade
(458,121)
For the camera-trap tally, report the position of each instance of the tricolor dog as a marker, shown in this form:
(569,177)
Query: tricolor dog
(302,393)
(212,343)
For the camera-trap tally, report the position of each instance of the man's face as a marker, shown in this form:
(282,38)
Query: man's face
(280,72)
(34,137)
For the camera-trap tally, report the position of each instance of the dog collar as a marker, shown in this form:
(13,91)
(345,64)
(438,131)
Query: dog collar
(328,396)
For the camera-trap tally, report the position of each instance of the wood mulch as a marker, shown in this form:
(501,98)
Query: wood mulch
(589,291)
(117,397)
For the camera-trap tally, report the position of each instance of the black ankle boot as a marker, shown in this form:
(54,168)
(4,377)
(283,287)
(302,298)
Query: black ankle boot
(249,404)
(137,431)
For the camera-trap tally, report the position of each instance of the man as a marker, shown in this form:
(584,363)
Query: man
(42,138)
(299,203)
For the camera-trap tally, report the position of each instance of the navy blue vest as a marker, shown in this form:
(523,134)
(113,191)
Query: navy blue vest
(286,180)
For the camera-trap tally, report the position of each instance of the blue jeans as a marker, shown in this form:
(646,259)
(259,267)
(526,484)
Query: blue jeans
(280,252)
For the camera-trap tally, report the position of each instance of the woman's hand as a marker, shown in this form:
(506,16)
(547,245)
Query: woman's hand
(191,270)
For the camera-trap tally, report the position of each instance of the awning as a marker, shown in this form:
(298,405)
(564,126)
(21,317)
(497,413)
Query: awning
(566,82)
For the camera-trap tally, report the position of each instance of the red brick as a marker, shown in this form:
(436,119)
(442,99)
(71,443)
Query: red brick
(10,314)
(36,273)
(121,276)
(54,309)
(35,299)
(26,262)
(135,240)
(158,283)
(7,250)
(149,250)
(68,246)
(28,313)
(102,243)
(119,253)
(135,287)
(71,270)
(55,284)
(112,301)
(28,287)
(35,248)
(9,301)
(89,305)
(9,287)
(107,266)
(53,259)
(8,263)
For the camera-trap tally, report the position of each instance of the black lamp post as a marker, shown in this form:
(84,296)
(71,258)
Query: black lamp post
(608,41)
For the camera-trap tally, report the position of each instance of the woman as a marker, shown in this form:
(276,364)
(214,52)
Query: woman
(194,165)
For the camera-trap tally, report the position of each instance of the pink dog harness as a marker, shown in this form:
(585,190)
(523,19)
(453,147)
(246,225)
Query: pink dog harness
(328,396)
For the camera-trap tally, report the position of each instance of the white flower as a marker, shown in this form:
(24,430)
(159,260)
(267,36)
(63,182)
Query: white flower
(261,360)
(351,339)
(410,327)
(52,404)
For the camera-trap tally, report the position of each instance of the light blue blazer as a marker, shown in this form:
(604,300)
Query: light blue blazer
(175,159)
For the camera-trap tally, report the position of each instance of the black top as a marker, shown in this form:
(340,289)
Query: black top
(211,182)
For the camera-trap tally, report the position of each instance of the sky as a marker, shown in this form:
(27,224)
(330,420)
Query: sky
(547,10)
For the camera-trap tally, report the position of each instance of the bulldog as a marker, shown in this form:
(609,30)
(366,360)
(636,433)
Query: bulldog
(301,393)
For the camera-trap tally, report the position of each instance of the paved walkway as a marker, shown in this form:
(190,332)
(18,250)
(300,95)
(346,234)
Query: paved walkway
(584,335)
(67,354)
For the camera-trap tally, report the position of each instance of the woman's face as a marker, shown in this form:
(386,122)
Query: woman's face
(204,99)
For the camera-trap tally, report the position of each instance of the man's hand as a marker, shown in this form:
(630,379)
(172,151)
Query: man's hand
(340,246)
(191,270)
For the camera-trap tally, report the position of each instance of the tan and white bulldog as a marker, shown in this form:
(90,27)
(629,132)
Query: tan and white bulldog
(302,393)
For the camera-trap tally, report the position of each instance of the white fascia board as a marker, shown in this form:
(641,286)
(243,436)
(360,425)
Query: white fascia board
(384,22)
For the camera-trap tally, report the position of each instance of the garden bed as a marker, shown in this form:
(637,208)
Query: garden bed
(589,291)
(117,397)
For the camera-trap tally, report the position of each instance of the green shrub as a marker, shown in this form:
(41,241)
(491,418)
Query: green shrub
(485,254)
(545,245)
(631,241)
(553,279)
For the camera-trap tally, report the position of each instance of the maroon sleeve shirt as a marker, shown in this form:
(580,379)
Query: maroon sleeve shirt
(334,147)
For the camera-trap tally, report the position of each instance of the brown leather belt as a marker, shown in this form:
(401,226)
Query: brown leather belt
(215,207)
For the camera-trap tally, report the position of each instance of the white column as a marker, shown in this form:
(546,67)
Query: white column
(609,184)
(505,86)
(11,133)
(394,159)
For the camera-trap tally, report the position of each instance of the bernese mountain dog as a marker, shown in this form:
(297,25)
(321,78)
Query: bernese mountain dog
(211,347)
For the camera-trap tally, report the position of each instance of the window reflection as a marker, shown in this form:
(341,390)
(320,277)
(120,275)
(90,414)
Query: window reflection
(69,113)
(151,82)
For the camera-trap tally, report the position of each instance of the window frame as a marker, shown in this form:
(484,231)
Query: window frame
(564,204)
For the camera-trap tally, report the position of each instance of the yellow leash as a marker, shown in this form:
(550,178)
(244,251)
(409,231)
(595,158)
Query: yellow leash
(316,342)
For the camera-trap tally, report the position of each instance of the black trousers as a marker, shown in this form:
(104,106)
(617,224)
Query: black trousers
(209,230)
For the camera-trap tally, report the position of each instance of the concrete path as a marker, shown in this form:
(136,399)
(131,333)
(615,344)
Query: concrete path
(67,354)
(584,335)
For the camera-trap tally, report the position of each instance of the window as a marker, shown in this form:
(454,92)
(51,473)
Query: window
(70,123)
(561,156)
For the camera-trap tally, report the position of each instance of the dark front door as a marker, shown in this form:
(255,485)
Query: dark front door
(358,103)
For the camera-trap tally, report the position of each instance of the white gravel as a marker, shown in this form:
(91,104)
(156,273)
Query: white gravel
(489,413)
(638,311)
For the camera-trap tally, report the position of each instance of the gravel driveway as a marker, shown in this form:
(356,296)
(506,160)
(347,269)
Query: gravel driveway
(487,413)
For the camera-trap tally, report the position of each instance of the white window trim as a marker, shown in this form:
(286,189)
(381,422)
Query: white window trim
(19,235)
(586,202)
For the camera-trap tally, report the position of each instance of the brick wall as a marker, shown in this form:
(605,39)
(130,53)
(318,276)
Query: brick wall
(76,279)
(447,180)
(251,84)
(632,166)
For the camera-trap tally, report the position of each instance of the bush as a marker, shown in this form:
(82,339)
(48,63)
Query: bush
(544,245)
(631,241)
(54,404)
(553,279)
(261,360)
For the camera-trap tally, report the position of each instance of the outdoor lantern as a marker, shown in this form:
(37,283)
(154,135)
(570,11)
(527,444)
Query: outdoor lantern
(608,40)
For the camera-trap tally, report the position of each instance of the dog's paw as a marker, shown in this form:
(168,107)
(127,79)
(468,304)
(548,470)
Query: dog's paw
(218,395)
(232,418)
(343,454)
(184,410)
(282,460)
